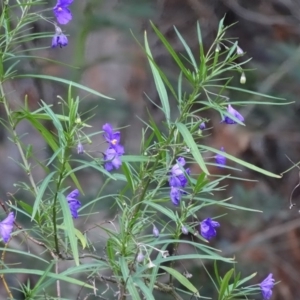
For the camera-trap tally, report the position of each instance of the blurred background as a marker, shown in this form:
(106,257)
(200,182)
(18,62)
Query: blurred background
(108,59)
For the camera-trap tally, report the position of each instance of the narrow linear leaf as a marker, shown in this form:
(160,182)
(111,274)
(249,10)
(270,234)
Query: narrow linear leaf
(160,87)
(241,162)
(52,275)
(127,276)
(225,283)
(68,82)
(69,227)
(40,194)
(183,280)
(188,138)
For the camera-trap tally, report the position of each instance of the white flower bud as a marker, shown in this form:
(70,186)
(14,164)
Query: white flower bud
(243,78)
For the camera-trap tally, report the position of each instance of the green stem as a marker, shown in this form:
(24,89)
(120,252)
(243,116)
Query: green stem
(54,213)
(16,140)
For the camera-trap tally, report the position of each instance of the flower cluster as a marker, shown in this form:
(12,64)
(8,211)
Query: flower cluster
(178,180)
(63,16)
(115,150)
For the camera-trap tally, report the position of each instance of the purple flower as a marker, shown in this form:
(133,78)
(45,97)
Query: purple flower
(80,149)
(140,257)
(220,159)
(207,228)
(234,113)
(74,204)
(112,157)
(155,231)
(175,195)
(177,178)
(61,11)
(184,230)
(113,138)
(266,286)
(59,39)
(202,126)
(6,227)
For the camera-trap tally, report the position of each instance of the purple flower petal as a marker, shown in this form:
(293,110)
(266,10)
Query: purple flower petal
(184,230)
(175,195)
(113,138)
(234,113)
(266,286)
(6,227)
(155,231)
(63,14)
(220,159)
(59,39)
(112,158)
(74,204)
(202,126)
(207,228)
(80,149)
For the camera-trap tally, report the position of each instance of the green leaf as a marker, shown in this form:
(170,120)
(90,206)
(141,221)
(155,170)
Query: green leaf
(36,288)
(188,138)
(68,82)
(146,291)
(40,194)
(69,227)
(128,278)
(80,237)
(187,49)
(160,87)
(52,275)
(171,51)
(241,162)
(225,283)
(168,212)
(128,175)
(183,280)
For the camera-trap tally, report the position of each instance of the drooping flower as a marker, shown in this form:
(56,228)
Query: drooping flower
(177,177)
(202,126)
(155,231)
(112,157)
(175,195)
(80,149)
(220,159)
(266,286)
(234,113)
(6,227)
(239,51)
(140,258)
(207,228)
(178,180)
(184,230)
(61,11)
(59,39)
(113,138)
(74,203)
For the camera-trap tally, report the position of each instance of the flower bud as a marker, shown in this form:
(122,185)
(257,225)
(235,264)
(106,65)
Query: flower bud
(184,230)
(218,48)
(243,78)
(140,257)
(239,51)
(80,149)
(155,231)
(78,121)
